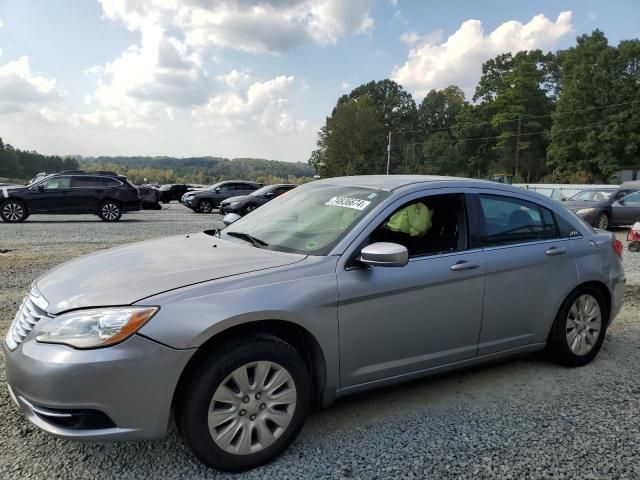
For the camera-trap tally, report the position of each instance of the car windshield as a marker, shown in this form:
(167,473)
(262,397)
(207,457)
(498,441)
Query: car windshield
(593,195)
(262,191)
(309,220)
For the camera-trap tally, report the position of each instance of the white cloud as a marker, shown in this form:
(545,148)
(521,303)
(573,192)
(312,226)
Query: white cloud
(1,24)
(345,86)
(250,103)
(250,25)
(410,38)
(21,89)
(433,63)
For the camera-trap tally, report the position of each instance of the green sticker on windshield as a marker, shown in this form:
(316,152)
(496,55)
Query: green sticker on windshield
(311,245)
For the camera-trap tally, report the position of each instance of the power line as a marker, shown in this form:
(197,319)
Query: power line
(526,134)
(523,117)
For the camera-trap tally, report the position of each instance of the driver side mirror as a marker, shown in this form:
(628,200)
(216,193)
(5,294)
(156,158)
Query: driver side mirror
(229,218)
(621,201)
(383,254)
(41,188)
(217,190)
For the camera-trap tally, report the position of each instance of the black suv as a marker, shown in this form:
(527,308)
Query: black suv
(174,191)
(105,194)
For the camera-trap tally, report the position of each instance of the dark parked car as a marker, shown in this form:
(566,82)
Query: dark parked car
(150,197)
(204,201)
(174,191)
(595,206)
(247,203)
(102,193)
(626,211)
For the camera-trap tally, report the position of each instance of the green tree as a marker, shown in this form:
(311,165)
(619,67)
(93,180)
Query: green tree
(352,140)
(595,125)
(517,92)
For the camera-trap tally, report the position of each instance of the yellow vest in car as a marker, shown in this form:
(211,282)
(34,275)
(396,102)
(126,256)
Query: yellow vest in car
(414,220)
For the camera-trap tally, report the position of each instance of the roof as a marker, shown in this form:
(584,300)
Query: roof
(392,182)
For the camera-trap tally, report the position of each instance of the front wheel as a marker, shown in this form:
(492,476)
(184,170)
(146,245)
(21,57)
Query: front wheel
(579,328)
(110,211)
(249,209)
(602,221)
(246,404)
(13,211)
(205,206)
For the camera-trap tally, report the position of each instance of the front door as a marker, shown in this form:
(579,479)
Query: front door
(398,321)
(628,212)
(49,196)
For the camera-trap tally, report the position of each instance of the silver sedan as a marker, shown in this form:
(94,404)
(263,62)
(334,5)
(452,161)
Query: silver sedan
(342,285)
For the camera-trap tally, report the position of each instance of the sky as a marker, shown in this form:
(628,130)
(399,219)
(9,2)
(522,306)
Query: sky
(248,78)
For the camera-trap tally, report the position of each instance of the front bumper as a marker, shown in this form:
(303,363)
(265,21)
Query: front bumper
(227,208)
(130,384)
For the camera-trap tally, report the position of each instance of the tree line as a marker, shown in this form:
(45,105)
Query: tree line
(19,164)
(568,116)
(200,170)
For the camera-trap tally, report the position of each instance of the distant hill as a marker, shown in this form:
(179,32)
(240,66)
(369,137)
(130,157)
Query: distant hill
(202,170)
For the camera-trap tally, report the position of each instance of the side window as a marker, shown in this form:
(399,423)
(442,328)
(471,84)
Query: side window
(57,183)
(108,182)
(511,220)
(226,187)
(621,194)
(427,226)
(633,198)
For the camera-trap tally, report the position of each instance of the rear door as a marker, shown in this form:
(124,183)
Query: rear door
(529,267)
(83,197)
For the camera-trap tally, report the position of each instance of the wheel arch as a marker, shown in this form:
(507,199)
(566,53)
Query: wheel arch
(295,335)
(601,287)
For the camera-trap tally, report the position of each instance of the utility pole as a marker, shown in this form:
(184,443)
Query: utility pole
(518,143)
(388,152)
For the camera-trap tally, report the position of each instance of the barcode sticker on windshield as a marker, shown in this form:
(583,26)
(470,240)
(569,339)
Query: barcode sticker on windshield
(347,202)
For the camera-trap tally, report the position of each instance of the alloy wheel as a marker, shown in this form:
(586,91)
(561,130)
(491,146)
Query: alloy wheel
(603,221)
(13,211)
(110,211)
(252,408)
(205,207)
(584,324)
(250,208)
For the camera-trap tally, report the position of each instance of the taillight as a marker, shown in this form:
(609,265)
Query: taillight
(618,248)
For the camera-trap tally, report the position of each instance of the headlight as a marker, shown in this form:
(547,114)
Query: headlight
(95,327)
(585,211)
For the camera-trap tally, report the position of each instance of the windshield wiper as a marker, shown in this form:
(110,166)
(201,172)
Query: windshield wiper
(249,238)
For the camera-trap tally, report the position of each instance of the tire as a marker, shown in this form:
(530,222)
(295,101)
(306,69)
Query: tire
(246,421)
(602,221)
(574,340)
(634,247)
(205,206)
(110,211)
(249,209)
(13,211)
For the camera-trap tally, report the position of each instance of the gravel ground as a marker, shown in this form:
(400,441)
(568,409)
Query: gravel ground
(523,418)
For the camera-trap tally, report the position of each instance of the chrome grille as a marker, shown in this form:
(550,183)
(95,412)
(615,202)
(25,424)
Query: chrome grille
(31,310)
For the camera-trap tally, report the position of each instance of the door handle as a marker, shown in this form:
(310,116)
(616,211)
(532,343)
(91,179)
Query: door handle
(464,265)
(556,251)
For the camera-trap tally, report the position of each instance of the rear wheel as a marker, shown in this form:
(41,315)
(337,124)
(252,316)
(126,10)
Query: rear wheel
(634,246)
(249,209)
(245,405)
(110,211)
(205,206)
(13,211)
(602,221)
(579,328)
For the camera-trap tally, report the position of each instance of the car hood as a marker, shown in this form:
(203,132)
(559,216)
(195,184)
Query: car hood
(578,204)
(239,198)
(124,275)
